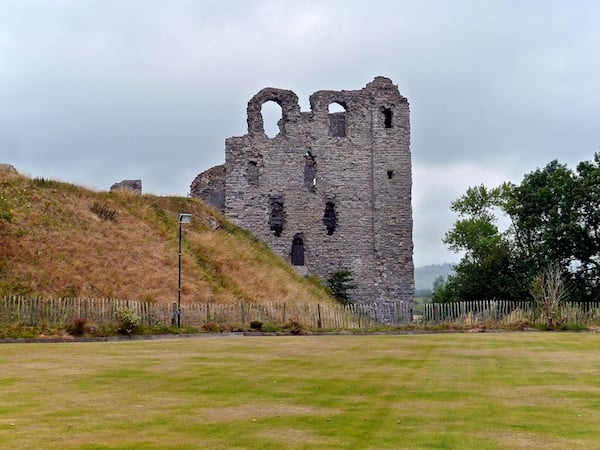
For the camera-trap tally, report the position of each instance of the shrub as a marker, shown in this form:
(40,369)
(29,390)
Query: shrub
(549,290)
(341,283)
(103,211)
(271,327)
(127,321)
(256,325)
(296,328)
(211,327)
(45,183)
(77,327)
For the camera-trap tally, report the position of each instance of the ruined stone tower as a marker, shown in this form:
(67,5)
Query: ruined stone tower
(331,190)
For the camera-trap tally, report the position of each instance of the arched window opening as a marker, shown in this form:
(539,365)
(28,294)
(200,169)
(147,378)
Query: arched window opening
(310,171)
(252,173)
(337,120)
(336,108)
(271,114)
(387,117)
(276,217)
(330,217)
(298,251)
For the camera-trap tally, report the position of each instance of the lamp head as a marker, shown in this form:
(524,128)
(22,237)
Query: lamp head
(185,218)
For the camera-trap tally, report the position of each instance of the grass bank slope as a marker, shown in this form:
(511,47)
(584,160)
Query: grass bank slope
(58,239)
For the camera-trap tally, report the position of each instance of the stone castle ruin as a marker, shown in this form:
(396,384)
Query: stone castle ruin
(330,191)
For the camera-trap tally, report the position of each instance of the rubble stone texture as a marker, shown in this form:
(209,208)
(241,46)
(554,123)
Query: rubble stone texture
(210,187)
(332,190)
(134,186)
(7,169)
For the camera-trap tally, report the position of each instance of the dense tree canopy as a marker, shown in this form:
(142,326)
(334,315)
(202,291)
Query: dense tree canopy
(555,220)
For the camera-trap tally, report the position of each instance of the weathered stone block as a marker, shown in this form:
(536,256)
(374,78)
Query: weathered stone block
(134,186)
(7,169)
(210,187)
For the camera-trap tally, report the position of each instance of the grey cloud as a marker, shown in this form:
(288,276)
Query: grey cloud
(93,92)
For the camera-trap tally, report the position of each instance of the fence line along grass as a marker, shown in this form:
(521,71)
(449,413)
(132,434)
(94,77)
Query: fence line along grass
(62,311)
(457,391)
(506,313)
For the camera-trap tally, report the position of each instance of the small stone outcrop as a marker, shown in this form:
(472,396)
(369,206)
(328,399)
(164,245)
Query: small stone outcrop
(134,186)
(7,169)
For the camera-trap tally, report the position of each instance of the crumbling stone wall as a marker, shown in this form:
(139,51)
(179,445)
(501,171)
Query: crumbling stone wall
(7,169)
(331,190)
(134,186)
(210,187)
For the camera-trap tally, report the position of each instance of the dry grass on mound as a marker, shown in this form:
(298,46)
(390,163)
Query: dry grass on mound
(64,240)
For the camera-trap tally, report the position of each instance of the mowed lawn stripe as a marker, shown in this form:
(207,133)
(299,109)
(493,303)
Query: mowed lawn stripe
(484,391)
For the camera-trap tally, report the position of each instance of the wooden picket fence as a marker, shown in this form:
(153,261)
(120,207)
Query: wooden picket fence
(62,311)
(505,312)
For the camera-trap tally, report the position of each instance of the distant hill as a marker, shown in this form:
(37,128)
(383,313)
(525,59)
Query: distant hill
(58,239)
(425,275)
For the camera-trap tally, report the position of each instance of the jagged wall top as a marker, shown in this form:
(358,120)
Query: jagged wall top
(319,102)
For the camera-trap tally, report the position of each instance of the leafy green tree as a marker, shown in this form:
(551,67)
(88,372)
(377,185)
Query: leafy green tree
(555,221)
(543,209)
(487,269)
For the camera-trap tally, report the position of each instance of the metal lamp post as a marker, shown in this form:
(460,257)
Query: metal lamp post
(183,218)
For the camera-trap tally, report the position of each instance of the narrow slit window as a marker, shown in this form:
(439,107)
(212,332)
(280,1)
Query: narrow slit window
(252,173)
(310,171)
(330,218)
(297,251)
(390,174)
(387,117)
(277,218)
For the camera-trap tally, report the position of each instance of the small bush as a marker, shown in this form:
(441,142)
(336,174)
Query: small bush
(256,325)
(45,183)
(296,328)
(77,327)
(127,321)
(572,327)
(211,327)
(549,290)
(104,211)
(271,327)
(340,284)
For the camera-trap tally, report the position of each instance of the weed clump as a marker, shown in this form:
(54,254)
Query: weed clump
(127,321)
(296,328)
(77,327)
(211,327)
(104,211)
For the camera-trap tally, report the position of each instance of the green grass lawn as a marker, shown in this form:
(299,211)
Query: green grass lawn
(479,391)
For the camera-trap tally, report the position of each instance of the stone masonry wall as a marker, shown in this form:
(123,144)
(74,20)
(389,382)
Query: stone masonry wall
(210,187)
(331,190)
(134,186)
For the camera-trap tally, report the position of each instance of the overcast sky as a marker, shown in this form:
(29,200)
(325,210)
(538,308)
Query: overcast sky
(96,91)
